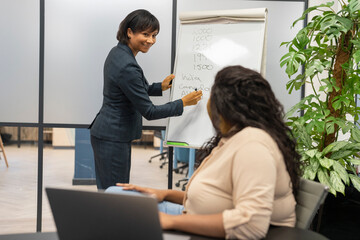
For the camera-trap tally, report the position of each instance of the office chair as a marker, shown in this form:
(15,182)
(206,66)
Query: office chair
(181,155)
(309,198)
(163,154)
(187,157)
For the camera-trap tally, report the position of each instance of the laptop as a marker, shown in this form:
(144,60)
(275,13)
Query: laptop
(84,215)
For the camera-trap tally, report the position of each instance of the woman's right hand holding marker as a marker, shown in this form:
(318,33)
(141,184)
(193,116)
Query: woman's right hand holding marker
(192,98)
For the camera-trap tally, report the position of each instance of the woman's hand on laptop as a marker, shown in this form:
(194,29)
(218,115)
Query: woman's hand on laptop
(158,194)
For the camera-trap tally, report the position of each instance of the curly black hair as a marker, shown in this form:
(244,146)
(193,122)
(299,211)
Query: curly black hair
(243,98)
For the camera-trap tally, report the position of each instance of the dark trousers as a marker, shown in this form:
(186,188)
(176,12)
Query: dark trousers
(112,162)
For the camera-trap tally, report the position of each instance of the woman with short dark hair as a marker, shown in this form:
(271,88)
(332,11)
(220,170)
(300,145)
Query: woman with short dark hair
(137,21)
(126,99)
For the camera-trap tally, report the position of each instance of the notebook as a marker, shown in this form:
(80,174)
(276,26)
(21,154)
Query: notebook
(84,215)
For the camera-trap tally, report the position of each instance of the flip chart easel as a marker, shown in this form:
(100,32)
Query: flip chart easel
(207,42)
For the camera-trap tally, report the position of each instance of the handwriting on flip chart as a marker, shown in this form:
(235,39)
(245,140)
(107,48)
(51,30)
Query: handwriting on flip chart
(194,77)
(204,48)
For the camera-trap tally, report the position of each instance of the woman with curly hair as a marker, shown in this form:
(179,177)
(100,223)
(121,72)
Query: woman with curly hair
(247,175)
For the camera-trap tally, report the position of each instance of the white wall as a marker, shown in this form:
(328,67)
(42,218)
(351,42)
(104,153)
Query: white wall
(19,60)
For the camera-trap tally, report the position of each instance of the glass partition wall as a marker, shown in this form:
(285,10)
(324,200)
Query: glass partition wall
(19,113)
(19,181)
(52,53)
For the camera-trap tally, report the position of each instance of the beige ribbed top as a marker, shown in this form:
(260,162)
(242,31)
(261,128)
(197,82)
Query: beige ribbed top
(245,178)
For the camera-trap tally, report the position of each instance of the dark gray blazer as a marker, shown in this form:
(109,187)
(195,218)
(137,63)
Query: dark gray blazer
(126,99)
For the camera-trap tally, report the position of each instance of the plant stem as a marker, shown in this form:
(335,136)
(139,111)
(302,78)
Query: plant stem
(316,95)
(342,56)
(319,80)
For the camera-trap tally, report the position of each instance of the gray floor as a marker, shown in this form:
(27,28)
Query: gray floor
(18,183)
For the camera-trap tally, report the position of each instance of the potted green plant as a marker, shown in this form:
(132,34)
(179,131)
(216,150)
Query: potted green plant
(330,43)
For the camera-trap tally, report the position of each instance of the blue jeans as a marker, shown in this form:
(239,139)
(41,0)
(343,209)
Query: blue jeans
(164,206)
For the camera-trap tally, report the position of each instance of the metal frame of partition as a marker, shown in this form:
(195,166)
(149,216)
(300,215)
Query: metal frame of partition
(41,125)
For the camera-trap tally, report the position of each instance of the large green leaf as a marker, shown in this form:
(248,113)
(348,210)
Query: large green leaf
(334,25)
(326,162)
(302,135)
(314,67)
(354,147)
(311,153)
(335,146)
(346,100)
(303,156)
(285,43)
(301,40)
(355,181)
(320,125)
(336,104)
(330,128)
(340,169)
(326,112)
(356,43)
(310,9)
(351,168)
(356,56)
(355,134)
(341,154)
(328,87)
(292,61)
(347,128)
(346,23)
(324,179)
(296,82)
(309,127)
(354,5)
(336,182)
(354,161)
(309,173)
(314,164)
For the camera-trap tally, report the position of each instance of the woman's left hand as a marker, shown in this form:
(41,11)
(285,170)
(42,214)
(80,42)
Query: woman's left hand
(159,194)
(166,84)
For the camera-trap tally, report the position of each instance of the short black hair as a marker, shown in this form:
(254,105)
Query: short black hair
(138,20)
